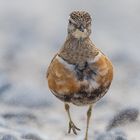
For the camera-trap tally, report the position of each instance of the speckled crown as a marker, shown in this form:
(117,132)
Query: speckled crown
(81,15)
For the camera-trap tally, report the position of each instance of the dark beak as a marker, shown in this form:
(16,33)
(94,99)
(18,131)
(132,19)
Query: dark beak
(81,28)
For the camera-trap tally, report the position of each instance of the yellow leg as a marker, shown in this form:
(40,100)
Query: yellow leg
(72,126)
(88,119)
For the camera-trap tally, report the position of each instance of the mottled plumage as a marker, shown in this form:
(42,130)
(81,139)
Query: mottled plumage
(81,16)
(79,73)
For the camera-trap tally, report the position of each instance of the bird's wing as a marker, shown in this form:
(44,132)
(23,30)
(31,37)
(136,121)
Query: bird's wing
(48,70)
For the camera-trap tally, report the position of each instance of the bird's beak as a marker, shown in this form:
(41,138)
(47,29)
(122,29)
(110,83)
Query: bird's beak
(81,28)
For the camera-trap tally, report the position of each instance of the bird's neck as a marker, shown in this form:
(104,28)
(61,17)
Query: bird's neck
(76,50)
(78,40)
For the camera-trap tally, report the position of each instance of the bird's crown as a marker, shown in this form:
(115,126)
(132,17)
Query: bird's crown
(81,16)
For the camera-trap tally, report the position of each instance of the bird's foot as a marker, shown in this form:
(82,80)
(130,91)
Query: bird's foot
(73,128)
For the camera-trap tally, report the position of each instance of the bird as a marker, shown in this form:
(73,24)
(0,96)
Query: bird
(79,73)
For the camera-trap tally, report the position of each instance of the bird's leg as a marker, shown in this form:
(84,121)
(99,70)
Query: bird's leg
(72,126)
(88,119)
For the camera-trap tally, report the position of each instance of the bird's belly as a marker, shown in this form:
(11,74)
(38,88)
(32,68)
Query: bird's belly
(84,97)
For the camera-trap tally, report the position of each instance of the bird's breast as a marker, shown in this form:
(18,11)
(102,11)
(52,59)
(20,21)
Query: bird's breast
(81,83)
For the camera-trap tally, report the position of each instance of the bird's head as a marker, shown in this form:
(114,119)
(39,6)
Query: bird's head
(79,25)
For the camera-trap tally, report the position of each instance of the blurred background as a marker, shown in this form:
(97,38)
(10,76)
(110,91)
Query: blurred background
(31,32)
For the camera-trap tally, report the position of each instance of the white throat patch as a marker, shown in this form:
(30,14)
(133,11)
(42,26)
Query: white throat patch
(78,34)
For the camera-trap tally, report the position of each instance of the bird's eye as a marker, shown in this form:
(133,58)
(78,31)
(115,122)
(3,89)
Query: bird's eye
(70,22)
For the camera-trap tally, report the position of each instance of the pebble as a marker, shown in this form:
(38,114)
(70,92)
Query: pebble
(8,137)
(20,117)
(123,117)
(31,136)
(115,134)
